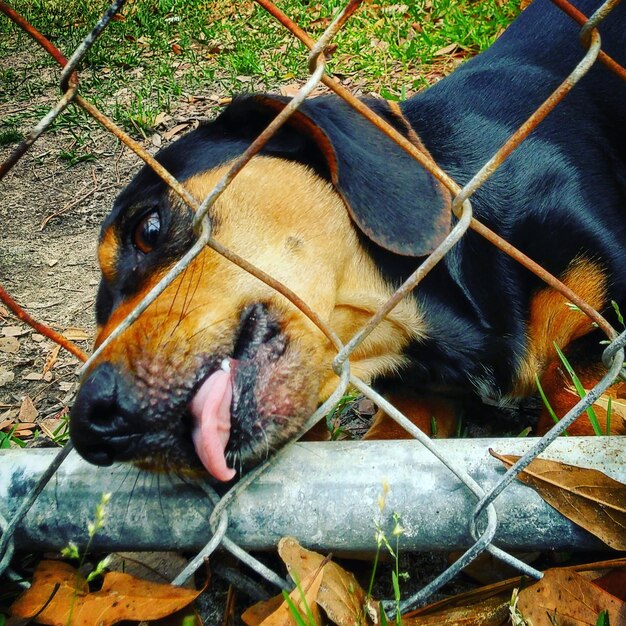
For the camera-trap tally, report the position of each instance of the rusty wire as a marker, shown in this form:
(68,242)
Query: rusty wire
(461,207)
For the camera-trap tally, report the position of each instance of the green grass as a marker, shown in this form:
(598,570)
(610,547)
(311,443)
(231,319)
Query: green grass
(160,54)
(6,439)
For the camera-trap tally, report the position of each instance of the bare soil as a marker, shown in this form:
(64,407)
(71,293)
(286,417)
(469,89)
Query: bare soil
(50,216)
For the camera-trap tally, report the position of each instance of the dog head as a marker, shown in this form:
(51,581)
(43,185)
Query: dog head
(221,369)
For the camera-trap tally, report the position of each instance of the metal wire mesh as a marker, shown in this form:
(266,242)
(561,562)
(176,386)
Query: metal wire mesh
(462,208)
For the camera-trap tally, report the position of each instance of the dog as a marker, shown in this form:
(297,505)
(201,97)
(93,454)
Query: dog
(221,370)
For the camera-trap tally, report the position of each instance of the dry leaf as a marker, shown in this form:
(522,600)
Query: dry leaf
(37,376)
(259,611)
(6,424)
(174,131)
(23,430)
(446,50)
(28,412)
(340,594)
(490,612)
(290,90)
(13,331)
(9,345)
(6,376)
(158,567)
(121,598)
(395,8)
(48,426)
(309,586)
(613,582)
(484,606)
(585,496)
(160,118)
(570,598)
(76,334)
(52,359)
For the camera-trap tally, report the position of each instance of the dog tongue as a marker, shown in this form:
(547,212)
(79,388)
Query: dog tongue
(210,408)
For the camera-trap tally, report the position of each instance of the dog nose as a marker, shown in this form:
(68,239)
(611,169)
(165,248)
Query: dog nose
(104,424)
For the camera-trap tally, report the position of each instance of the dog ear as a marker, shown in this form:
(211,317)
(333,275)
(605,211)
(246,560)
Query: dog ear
(393,200)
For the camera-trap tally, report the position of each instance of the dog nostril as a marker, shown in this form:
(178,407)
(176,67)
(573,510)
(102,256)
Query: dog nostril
(101,429)
(256,326)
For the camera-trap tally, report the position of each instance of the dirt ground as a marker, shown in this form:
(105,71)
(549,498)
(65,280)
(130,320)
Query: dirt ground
(50,215)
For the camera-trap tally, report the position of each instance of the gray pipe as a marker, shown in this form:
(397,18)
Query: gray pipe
(326,494)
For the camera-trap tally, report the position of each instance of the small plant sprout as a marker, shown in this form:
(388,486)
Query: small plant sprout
(379,535)
(338,413)
(71,551)
(382,498)
(381,540)
(620,317)
(99,569)
(396,575)
(593,418)
(301,620)
(547,404)
(98,523)
(517,619)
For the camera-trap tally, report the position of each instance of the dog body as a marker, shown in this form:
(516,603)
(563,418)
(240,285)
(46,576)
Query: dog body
(223,368)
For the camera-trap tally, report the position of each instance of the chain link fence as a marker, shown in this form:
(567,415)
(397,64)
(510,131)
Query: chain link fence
(484,517)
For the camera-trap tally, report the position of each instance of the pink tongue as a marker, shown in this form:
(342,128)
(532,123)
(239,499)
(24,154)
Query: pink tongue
(211,410)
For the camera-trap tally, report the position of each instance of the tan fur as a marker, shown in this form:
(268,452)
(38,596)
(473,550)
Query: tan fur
(552,321)
(108,252)
(423,411)
(290,223)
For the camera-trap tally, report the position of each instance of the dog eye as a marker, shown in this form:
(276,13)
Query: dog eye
(147,232)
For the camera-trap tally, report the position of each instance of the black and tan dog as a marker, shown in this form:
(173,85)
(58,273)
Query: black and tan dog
(221,370)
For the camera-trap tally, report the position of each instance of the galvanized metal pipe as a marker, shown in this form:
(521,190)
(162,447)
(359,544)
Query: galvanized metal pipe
(326,494)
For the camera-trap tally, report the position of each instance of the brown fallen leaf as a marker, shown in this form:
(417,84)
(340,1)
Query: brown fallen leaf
(6,424)
(613,582)
(51,359)
(9,345)
(340,594)
(490,612)
(570,599)
(121,598)
(446,50)
(37,376)
(484,606)
(76,334)
(309,588)
(254,615)
(585,496)
(160,118)
(13,331)
(23,430)
(6,376)
(28,413)
(174,131)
